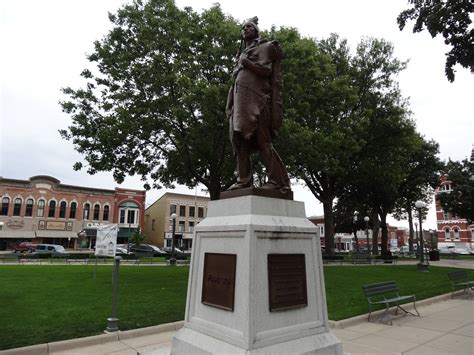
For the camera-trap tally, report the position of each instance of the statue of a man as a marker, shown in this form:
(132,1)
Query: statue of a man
(254,108)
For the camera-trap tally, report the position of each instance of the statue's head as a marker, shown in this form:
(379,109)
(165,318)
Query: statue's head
(250,28)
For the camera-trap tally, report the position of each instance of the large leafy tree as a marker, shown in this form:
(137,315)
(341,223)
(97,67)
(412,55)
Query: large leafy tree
(328,106)
(450,18)
(423,171)
(460,200)
(154,101)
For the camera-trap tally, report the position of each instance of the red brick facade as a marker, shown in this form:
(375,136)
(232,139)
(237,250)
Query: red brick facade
(451,229)
(43,210)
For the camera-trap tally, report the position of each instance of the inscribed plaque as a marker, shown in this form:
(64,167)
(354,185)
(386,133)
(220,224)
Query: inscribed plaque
(287,281)
(218,284)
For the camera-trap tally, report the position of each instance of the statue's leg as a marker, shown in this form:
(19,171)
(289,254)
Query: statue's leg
(276,172)
(244,165)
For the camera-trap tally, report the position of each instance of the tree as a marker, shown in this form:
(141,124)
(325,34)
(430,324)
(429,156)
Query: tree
(460,200)
(154,103)
(137,237)
(423,173)
(450,18)
(327,106)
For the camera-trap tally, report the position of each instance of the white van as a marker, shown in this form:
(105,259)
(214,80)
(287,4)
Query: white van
(50,248)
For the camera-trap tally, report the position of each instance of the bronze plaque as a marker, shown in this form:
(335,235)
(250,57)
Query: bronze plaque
(218,283)
(287,281)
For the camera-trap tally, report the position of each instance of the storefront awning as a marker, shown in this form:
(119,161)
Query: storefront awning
(17,234)
(56,234)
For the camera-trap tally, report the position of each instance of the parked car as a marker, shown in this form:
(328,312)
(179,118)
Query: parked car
(119,251)
(147,248)
(177,251)
(50,248)
(25,247)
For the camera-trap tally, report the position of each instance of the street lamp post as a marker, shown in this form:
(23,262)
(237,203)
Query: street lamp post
(366,219)
(173,259)
(423,264)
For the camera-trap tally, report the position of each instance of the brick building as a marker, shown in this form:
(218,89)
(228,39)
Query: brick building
(43,210)
(451,230)
(189,209)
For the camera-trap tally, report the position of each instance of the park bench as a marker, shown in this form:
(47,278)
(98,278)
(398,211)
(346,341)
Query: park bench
(386,259)
(386,294)
(460,279)
(358,258)
(333,259)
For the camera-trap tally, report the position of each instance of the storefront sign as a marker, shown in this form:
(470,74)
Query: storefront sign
(15,224)
(55,226)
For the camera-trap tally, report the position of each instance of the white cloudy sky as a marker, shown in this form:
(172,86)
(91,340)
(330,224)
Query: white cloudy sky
(44,43)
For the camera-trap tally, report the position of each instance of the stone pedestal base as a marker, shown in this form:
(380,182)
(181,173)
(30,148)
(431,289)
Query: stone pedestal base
(275,301)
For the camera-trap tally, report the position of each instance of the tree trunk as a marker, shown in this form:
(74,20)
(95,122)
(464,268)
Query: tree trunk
(384,248)
(410,229)
(328,227)
(375,233)
(357,247)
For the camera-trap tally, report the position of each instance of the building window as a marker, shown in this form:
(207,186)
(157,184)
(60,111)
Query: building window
(191,227)
(472,234)
(172,209)
(182,211)
(52,209)
(96,212)
(321,230)
(446,215)
(5,203)
(446,187)
(72,210)
(105,215)
(40,211)
(17,207)
(447,234)
(29,208)
(87,209)
(181,226)
(62,209)
(128,213)
(456,233)
(200,212)
(191,211)
(152,224)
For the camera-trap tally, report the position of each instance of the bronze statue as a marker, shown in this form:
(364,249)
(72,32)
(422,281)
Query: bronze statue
(254,108)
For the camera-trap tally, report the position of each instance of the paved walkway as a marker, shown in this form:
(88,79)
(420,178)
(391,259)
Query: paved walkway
(444,328)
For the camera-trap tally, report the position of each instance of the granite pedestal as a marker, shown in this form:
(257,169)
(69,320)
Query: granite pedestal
(260,309)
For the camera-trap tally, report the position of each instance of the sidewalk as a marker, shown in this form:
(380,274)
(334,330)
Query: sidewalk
(445,327)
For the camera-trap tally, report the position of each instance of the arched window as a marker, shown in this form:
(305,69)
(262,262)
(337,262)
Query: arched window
(5,204)
(105,215)
(87,209)
(29,208)
(447,234)
(456,233)
(40,211)
(62,209)
(52,209)
(17,207)
(72,210)
(96,212)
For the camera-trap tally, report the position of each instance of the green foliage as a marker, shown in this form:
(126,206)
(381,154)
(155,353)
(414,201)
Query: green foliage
(137,237)
(154,103)
(331,105)
(450,18)
(460,200)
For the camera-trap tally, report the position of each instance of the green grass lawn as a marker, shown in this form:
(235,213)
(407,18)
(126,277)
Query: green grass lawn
(51,302)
